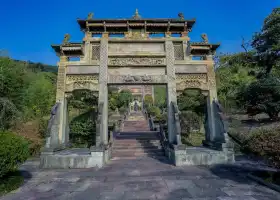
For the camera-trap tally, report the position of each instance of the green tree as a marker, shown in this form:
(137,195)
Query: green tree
(262,95)
(148,100)
(39,96)
(192,100)
(124,98)
(267,42)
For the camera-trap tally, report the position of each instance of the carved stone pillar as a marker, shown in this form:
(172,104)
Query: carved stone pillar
(103,91)
(87,51)
(212,136)
(60,97)
(171,90)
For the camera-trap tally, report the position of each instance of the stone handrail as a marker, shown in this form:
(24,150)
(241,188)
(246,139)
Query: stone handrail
(177,122)
(52,133)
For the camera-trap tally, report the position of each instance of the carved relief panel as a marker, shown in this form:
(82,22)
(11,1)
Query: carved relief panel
(77,82)
(137,79)
(143,61)
(198,81)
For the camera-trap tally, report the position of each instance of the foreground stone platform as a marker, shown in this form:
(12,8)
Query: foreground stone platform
(74,158)
(142,179)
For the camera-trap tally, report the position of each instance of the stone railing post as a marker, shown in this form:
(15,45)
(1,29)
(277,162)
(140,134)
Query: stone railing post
(103,88)
(171,89)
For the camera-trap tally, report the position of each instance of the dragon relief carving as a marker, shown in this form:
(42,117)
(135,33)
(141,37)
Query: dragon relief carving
(136,61)
(144,78)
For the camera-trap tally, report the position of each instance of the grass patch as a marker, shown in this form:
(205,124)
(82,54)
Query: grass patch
(10,182)
(194,139)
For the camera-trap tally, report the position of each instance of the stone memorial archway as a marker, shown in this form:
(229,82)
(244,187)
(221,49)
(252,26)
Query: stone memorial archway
(138,58)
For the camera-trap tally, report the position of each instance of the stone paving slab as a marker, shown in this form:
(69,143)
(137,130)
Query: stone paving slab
(144,179)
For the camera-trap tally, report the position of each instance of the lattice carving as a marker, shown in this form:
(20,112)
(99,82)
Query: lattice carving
(136,61)
(81,78)
(191,81)
(103,70)
(95,51)
(178,51)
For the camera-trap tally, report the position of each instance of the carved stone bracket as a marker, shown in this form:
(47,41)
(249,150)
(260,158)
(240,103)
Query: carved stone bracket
(77,82)
(143,79)
(198,81)
(136,61)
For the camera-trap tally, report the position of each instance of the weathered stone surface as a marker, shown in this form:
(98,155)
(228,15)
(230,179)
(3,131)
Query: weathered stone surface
(154,180)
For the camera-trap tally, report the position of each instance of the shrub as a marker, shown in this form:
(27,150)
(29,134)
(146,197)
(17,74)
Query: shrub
(13,152)
(153,111)
(189,121)
(82,130)
(265,143)
(262,96)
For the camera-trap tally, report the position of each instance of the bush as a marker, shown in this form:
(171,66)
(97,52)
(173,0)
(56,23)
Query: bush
(265,143)
(189,121)
(83,129)
(13,152)
(262,96)
(154,111)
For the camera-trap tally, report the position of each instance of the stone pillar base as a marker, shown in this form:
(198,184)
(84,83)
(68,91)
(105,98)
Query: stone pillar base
(75,158)
(181,155)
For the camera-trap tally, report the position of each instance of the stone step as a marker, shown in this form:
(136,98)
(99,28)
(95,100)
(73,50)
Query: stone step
(138,157)
(137,150)
(131,154)
(137,147)
(133,141)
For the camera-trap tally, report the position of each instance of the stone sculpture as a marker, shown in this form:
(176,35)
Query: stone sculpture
(52,129)
(66,38)
(90,16)
(204,38)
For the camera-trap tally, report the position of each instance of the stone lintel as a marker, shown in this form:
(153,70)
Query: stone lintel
(82,69)
(138,79)
(190,68)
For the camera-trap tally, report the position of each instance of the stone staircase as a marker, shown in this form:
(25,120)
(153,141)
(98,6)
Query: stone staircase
(136,140)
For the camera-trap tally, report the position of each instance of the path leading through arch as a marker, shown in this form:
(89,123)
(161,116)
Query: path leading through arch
(145,178)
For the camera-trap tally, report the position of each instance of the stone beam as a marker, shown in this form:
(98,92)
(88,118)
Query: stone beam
(138,79)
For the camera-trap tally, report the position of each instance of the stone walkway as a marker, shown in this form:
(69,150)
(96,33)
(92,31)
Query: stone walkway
(141,179)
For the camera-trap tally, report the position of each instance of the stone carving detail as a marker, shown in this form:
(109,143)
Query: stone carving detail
(191,81)
(204,37)
(137,79)
(81,78)
(66,38)
(95,52)
(136,35)
(76,82)
(199,77)
(135,61)
(178,51)
(103,61)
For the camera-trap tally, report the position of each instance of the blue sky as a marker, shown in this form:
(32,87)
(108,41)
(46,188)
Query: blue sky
(29,27)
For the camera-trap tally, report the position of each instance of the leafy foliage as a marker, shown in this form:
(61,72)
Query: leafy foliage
(82,105)
(267,42)
(119,99)
(13,152)
(148,100)
(265,143)
(192,100)
(262,95)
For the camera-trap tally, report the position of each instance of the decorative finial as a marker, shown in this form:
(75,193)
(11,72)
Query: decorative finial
(90,16)
(181,16)
(136,15)
(66,38)
(204,37)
